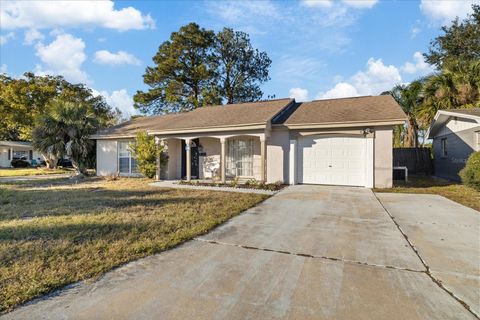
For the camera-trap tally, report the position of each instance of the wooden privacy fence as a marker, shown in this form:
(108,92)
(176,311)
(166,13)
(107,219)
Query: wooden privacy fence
(417,160)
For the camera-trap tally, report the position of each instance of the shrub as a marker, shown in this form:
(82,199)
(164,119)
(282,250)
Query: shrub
(471,173)
(145,151)
(251,183)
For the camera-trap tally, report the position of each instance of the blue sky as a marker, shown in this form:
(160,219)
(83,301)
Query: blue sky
(320,49)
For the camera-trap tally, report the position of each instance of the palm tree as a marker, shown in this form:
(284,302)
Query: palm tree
(65,130)
(409,97)
(456,86)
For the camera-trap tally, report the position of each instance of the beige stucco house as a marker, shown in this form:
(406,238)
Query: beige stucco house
(339,142)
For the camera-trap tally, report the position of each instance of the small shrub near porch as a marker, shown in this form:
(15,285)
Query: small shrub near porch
(146,152)
(471,173)
(235,183)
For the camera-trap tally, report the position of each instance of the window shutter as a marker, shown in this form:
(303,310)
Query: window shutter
(30,154)
(9,154)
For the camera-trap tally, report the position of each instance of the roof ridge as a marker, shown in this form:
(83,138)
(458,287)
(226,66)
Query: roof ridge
(460,109)
(356,97)
(239,103)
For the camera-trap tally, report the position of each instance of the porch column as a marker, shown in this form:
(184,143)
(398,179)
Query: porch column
(263,160)
(157,174)
(189,159)
(222,160)
(292,176)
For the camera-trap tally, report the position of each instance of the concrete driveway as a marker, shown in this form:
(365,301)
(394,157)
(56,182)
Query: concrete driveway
(446,236)
(309,252)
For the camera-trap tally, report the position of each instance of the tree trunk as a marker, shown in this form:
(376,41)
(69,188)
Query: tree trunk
(50,161)
(411,138)
(79,169)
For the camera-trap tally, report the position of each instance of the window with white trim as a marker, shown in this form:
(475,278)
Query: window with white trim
(126,163)
(444,147)
(240,157)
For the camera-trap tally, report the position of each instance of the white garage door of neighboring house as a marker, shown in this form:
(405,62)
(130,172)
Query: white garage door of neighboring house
(332,160)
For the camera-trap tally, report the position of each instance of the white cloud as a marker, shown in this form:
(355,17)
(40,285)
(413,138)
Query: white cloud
(4,38)
(447,10)
(294,69)
(32,35)
(3,68)
(52,14)
(121,57)
(361,3)
(63,56)
(377,78)
(299,94)
(418,65)
(119,99)
(341,90)
(414,31)
(317,3)
(237,11)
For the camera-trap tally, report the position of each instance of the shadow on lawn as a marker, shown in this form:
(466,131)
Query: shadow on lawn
(423,182)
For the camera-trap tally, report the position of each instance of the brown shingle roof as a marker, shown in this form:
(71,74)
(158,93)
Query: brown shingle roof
(469,111)
(347,110)
(202,118)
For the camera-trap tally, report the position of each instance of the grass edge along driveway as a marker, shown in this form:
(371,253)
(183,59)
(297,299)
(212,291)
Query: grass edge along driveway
(428,185)
(55,235)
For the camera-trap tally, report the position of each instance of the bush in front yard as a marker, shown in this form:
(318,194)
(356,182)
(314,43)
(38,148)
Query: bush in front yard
(471,173)
(145,151)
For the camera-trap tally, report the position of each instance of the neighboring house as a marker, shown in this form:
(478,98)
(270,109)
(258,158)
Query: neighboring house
(455,134)
(10,150)
(338,141)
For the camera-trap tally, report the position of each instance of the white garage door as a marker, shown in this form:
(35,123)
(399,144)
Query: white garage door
(332,160)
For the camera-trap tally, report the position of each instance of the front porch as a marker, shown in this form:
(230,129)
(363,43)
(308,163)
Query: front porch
(213,157)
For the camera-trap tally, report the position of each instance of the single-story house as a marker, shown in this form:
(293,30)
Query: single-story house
(338,141)
(455,134)
(10,150)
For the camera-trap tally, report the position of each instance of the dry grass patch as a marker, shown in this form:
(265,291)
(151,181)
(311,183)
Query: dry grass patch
(448,189)
(53,235)
(14,172)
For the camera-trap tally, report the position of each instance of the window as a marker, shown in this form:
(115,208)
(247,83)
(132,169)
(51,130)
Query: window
(19,154)
(240,158)
(444,147)
(126,163)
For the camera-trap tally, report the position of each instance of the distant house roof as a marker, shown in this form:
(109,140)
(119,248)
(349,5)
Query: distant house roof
(13,144)
(442,117)
(468,112)
(368,109)
(233,115)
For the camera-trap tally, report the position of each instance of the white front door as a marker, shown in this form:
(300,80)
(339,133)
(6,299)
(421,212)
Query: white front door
(332,160)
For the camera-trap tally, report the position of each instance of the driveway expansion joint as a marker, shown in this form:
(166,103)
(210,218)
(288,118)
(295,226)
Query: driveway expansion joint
(438,282)
(306,255)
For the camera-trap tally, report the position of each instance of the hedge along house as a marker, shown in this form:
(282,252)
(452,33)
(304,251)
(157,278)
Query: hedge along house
(339,141)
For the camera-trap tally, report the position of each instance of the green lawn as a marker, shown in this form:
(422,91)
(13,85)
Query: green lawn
(454,191)
(13,172)
(56,233)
